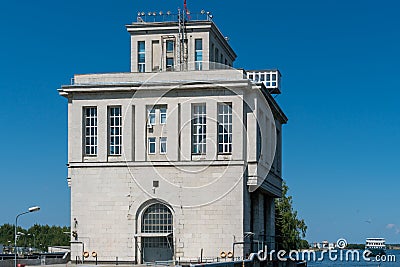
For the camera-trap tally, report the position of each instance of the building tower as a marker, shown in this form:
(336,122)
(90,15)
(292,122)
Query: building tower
(181,156)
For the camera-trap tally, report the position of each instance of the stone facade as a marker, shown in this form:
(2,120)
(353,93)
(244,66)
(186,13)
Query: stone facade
(200,201)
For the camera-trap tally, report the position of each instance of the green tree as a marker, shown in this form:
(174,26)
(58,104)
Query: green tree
(289,230)
(7,234)
(40,236)
(46,235)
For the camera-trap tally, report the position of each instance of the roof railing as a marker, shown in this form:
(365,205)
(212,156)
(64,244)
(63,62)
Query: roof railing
(146,17)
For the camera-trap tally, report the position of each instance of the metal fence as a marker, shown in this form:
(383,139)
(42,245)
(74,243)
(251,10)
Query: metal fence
(42,261)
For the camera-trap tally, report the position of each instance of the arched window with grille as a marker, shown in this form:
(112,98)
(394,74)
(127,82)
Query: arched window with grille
(157,236)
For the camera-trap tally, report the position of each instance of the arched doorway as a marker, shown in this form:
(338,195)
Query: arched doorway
(157,236)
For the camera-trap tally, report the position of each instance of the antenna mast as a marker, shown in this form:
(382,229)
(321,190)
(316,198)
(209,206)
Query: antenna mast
(183,41)
(179,52)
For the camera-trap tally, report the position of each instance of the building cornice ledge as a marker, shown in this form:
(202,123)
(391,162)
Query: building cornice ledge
(156,163)
(158,86)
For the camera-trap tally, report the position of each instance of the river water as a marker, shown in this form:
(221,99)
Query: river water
(392,259)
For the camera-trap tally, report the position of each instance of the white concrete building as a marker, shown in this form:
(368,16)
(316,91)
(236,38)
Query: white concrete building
(175,159)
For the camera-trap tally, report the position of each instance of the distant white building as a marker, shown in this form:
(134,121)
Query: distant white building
(177,157)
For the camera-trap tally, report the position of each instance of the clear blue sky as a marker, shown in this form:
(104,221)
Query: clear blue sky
(340,66)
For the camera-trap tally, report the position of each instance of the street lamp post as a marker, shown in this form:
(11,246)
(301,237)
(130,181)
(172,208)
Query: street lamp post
(31,209)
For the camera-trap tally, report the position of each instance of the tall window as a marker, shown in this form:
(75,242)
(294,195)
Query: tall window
(198,54)
(199,129)
(141,56)
(259,142)
(151,120)
(212,53)
(163,115)
(90,130)
(152,145)
(170,46)
(163,145)
(170,63)
(224,128)
(278,150)
(115,130)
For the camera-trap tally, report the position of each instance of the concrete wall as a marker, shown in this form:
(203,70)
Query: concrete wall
(161,38)
(218,51)
(107,202)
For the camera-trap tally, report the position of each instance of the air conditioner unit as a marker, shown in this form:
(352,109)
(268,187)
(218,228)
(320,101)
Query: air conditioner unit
(149,126)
